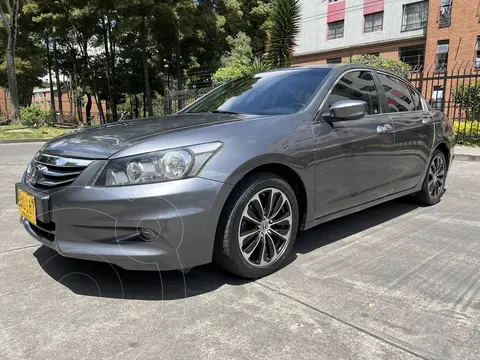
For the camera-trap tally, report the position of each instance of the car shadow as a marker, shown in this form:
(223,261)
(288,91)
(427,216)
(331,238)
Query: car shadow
(104,280)
(346,226)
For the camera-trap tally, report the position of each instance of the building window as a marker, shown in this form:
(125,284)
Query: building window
(437,97)
(335,29)
(441,60)
(445,13)
(374,54)
(413,56)
(374,22)
(477,57)
(415,16)
(334,61)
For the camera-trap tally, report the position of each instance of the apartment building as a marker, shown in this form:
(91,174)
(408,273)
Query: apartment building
(335,30)
(436,35)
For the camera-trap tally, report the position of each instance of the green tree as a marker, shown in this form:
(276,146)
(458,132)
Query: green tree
(50,18)
(9,11)
(29,61)
(285,26)
(142,49)
(238,60)
(395,66)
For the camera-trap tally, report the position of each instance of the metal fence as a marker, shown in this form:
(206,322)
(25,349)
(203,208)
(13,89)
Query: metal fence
(455,92)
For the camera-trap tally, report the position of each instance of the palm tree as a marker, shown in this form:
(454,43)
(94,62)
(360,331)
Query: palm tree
(285,26)
(258,65)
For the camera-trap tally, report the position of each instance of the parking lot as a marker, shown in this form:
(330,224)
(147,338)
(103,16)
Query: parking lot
(396,281)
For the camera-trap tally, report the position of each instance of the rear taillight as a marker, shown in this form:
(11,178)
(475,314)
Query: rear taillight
(448,127)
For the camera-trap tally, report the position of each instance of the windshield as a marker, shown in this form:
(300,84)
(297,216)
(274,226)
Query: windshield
(276,92)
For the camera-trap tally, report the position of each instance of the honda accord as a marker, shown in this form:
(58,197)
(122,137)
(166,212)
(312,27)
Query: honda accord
(236,174)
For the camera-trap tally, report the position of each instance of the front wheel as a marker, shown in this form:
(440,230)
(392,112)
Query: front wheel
(434,182)
(258,226)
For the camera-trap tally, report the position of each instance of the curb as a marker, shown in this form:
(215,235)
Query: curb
(20,141)
(465,157)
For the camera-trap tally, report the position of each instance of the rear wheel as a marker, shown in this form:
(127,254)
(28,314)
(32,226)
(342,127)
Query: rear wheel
(434,183)
(258,226)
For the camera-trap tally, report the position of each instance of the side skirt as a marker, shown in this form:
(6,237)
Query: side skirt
(358,208)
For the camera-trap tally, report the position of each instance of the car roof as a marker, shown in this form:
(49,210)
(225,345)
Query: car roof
(336,66)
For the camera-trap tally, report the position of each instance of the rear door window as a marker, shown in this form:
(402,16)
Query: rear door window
(356,85)
(399,98)
(417,100)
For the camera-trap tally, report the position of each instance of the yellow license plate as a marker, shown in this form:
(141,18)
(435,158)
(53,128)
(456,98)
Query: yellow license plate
(26,206)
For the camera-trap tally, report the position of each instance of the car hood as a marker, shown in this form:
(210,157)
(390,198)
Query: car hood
(103,141)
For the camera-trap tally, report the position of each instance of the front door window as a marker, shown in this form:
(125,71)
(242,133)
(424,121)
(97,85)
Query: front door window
(356,85)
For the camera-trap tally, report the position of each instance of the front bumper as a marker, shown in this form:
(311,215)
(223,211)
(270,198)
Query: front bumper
(101,224)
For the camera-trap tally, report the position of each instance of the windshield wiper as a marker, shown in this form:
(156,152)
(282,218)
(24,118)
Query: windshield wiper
(225,112)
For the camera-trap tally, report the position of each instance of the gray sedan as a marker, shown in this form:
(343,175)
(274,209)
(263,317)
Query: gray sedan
(235,175)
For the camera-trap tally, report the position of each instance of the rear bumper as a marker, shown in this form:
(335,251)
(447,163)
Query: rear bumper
(102,224)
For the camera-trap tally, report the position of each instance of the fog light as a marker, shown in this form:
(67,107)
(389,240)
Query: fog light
(147,234)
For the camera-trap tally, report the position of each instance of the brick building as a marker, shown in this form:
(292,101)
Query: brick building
(452,34)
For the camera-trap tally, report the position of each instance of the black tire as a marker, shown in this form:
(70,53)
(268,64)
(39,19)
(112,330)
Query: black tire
(227,251)
(424,196)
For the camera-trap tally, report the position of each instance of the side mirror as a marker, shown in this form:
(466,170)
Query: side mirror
(347,110)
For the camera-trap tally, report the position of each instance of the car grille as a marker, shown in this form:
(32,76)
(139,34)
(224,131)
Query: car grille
(49,171)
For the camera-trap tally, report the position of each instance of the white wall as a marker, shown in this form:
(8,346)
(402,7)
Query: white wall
(313,35)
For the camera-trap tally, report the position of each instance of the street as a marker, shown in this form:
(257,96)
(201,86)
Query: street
(396,281)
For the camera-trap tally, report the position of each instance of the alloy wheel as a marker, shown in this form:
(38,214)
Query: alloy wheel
(436,177)
(265,227)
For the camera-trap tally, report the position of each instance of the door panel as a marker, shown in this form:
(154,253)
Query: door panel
(414,132)
(352,160)
(333,186)
(353,163)
(372,158)
(414,135)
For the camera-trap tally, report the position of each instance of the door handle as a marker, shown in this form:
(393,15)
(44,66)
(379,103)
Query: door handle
(384,129)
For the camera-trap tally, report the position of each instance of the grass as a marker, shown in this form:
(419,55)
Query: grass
(44,132)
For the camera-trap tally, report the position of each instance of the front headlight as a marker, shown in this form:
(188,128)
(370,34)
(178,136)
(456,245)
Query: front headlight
(157,166)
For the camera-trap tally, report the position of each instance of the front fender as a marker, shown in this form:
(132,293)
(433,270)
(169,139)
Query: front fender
(301,167)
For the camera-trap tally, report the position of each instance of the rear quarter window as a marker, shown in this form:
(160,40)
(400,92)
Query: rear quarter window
(417,99)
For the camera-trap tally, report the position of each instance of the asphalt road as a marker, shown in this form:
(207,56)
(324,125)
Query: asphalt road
(393,282)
